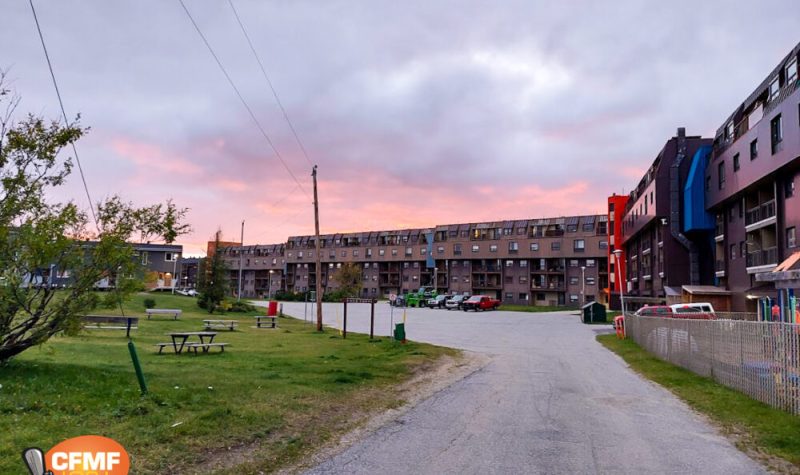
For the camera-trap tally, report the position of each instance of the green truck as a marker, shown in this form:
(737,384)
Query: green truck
(420,297)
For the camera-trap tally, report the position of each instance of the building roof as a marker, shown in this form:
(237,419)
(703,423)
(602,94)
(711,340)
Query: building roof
(704,290)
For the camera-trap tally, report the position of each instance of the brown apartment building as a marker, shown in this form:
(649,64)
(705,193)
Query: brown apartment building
(549,261)
(665,247)
(750,185)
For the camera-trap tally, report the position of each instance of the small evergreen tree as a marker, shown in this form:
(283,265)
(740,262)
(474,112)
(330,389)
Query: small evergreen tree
(212,279)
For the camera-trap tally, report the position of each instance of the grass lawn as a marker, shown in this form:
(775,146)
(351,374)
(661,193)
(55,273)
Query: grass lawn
(756,428)
(271,397)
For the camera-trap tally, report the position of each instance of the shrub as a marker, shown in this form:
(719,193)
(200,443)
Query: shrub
(149,303)
(241,307)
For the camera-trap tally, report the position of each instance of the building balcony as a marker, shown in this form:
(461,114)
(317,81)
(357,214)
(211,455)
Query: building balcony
(763,258)
(759,216)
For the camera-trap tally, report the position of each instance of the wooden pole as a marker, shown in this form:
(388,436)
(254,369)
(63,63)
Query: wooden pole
(317,254)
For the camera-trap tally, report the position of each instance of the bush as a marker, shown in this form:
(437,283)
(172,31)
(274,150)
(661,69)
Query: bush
(149,303)
(241,307)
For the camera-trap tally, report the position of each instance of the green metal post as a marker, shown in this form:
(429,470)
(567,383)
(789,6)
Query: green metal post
(138,367)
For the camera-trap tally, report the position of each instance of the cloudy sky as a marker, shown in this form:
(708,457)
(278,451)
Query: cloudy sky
(417,112)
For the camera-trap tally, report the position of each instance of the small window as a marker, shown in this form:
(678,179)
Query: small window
(381,252)
(355,253)
(534,246)
(523,297)
(791,237)
(573,298)
(579,245)
(170,256)
(423,251)
(416,265)
(440,249)
(509,263)
(733,251)
(555,246)
(409,251)
(573,262)
(492,248)
(753,149)
(776,134)
(513,246)
(774,88)
(590,262)
(394,252)
(788,187)
(736,163)
(405,265)
(721,175)
(791,71)
(476,248)
(457,249)
(573,280)
(603,244)
(523,263)
(590,281)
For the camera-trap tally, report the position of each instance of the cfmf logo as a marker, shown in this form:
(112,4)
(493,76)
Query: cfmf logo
(84,455)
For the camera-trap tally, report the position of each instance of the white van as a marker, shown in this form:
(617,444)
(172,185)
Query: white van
(695,307)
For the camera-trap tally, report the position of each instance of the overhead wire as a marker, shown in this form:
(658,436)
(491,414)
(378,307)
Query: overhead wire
(269,83)
(242,99)
(64,113)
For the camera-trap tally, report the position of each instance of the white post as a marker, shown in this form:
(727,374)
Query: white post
(583,286)
(617,255)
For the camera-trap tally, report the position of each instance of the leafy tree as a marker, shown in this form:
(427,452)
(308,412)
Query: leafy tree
(212,279)
(348,279)
(39,236)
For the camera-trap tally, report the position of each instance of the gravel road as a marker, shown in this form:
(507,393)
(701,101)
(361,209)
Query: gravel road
(552,400)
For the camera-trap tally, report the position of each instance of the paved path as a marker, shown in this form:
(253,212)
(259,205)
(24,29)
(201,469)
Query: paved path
(552,400)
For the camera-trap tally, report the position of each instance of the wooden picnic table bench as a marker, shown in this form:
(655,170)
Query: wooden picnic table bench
(229,324)
(175,312)
(111,322)
(266,321)
(206,346)
(179,340)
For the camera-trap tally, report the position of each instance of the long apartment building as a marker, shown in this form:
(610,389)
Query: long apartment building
(666,237)
(549,261)
(750,185)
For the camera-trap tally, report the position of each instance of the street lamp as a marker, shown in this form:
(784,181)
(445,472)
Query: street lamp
(175,258)
(269,291)
(617,256)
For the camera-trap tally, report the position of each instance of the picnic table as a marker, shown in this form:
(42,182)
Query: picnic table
(175,312)
(229,324)
(266,321)
(111,322)
(179,341)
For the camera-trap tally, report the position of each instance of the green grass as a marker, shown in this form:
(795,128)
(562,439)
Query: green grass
(274,395)
(756,428)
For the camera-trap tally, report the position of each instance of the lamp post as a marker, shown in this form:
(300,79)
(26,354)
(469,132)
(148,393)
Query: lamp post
(617,256)
(175,258)
(269,292)
(583,286)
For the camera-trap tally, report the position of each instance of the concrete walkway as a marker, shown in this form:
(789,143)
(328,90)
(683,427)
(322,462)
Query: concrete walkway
(552,401)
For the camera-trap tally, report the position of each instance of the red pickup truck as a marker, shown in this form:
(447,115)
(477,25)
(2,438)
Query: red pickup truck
(480,302)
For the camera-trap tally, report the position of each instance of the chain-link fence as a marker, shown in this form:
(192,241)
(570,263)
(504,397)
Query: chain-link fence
(760,359)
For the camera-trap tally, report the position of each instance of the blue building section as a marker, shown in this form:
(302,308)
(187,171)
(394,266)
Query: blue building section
(695,216)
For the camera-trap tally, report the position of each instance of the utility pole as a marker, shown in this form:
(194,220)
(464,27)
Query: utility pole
(241,252)
(317,252)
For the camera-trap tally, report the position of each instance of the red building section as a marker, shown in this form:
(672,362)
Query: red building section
(616,276)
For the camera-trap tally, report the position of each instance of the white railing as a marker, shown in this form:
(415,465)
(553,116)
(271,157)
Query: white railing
(760,359)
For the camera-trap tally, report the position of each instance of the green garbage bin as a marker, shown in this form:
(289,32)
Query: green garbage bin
(399,331)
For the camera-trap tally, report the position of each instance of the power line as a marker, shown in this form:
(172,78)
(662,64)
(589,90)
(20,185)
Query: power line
(241,98)
(64,113)
(271,87)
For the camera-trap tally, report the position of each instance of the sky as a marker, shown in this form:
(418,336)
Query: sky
(417,113)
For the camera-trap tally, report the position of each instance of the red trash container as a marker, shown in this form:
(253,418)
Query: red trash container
(272,310)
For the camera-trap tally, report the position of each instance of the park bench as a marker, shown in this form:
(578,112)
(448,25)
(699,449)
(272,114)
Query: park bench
(111,322)
(265,321)
(164,311)
(206,346)
(229,324)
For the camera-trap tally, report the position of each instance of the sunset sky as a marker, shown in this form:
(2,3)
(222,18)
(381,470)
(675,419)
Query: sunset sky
(417,112)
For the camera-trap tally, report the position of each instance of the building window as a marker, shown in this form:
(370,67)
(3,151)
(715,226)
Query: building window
(754,149)
(394,252)
(590,262)
(509,263)
(454,264)
(733,251)
(776,133)
(144,258)
(457,249)
(476,248)
(742,250)
(603,244)
(369,252)
(590,281)
(573,298)
(573,280)
(409,251)
(381,252)
(513,247)
(539,296)
(416,265)
(509,296)
(170,256)
(736,163)
(405,265)
(423,251)
(555,246)
(573,262)
(440,249)
(454,279)
(523,297)
(523,263)
(788,187)
(492,248)
(534,246)
(791,237)
(774,89)
(791,71)
(721,174)
(355,253)
(579,245)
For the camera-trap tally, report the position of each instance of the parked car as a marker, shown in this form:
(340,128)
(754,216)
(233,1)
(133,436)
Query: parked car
(697,310)
(480,302)
(400,301)
(655,311)
(420,297)
(437,302)
(455,302)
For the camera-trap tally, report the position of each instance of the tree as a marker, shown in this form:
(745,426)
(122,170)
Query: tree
(38,236)
(348,279)
(212,279)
